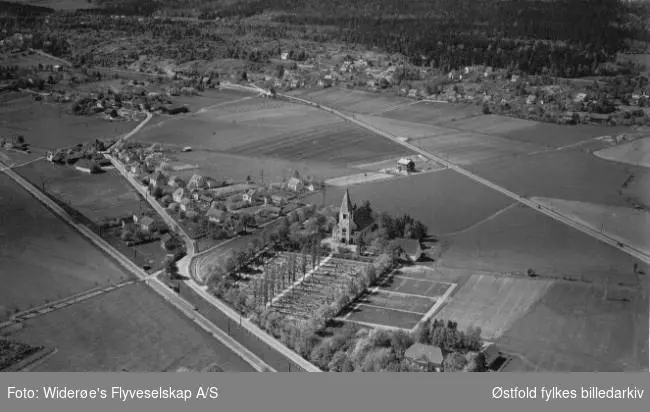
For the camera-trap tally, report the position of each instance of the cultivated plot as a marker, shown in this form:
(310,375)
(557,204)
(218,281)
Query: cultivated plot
(130,329)
(47,126)
(635,153)
(627,225)
(572,328)
(567,174)
(444,201)
(41,258)
(433,113)
(521,238)
(351,100)
(532,132)
(419,287)
(493,303)
(98,197)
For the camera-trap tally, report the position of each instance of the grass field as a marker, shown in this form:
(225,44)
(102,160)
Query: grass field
(434,113)
(59,4)
(41,258)
(98,197)
(351,100)
(211,99)
(407,284)
(383,316)
(572,328)
(46,126)
(568,174)
(628,225)
(521,238)
(531,132)
(25,59)
(444,201)
(411,303)
(635,153)
(493,303)
(130,329)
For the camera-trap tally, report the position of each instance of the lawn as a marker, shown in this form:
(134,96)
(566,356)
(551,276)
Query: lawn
(572,328)
(521,238)
(532,132)
(130,329)
(435,113)
(383,298)
(47,126)
(383,317)
(43,259)
(568,174)
(492,303)
(423,287)
(636,153)
(351,100)
(444,201)
(98,197)
(628,225)
(60,4)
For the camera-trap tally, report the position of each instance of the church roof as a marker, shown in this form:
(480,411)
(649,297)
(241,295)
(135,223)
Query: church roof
(346,205)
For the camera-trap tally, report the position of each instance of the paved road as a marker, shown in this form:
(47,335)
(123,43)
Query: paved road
(166,293)
(593,232)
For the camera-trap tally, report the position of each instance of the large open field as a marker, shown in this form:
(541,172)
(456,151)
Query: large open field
(532,132)
(46,126)
(130,329)
(628,225)
(434,113)
(351,100)
(41,258)
(274,129)
(444,201)
(572,328)
(567,174)
(521,238)
(636,153)
(493,303)
(59,4)
(98,197)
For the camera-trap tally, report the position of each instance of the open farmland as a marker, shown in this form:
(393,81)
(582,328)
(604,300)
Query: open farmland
(434,113)
(567,174)
(130,329)
(636,153)
(26,59)
(493,303)
(41,258)
(351,100)
(531,132)
(572,328)
(212,99)
(628,225)
(98,197)
(46,126)
(60,4)
(444,201)
(521,239)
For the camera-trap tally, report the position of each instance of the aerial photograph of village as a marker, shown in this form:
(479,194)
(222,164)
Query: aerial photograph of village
(324,185)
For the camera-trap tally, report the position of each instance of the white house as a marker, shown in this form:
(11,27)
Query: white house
(295,184)
(178,195)
(249,196)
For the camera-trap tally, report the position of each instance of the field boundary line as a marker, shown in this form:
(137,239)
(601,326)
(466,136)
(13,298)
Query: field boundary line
(436,306)
(372,325)
(399,275)
(387,308)
(406,294)
(480,222)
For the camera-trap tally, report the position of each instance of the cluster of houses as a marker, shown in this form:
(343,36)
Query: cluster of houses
(87,158)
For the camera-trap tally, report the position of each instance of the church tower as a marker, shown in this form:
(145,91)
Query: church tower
(346,226)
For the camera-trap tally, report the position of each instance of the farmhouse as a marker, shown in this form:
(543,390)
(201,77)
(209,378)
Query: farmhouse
(167,242)
(86,166)
(343,230)
(186,204)
(491,353)
(312,187)
(295,184)
(427,358)
(178,195)
(146,223)
(158,180)
(278,199)
(176,181)
(249,196)
(55,157)
(405,165)
(409,249)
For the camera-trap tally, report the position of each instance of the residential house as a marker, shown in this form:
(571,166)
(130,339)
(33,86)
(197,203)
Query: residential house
(491,352)
(158,180)
(138,169)
(413,93)
(176,181)
(278,200)
(312,187)
(531,99)
(185,204)
(179,194)
(295,184)
(409,249)
(249,196)
(212,183)
(173,207)
(284,55)
(216,215)
(269,211)
(405,165)
(55,157)
(167,242)
(325,83)
(195,195)
(424,357)
(146,223)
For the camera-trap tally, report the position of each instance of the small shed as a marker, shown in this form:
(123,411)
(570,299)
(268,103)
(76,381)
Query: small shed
(491,352)
(146,223)
(406,165)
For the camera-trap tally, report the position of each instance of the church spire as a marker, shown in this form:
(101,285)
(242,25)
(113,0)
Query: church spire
(346,205)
